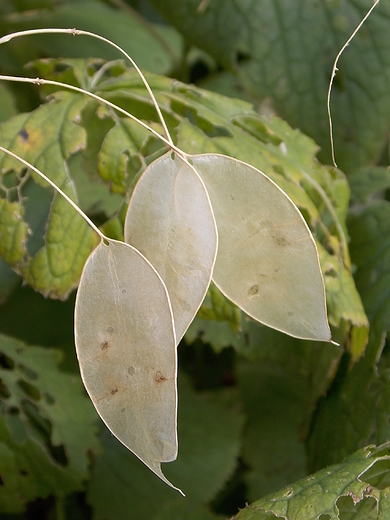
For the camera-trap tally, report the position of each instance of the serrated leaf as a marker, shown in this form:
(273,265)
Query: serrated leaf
(45,138)
(283,51)
(266,253)
(325,494)
(125,139)
(171,222)
(280,388)
(359,396)
(209,433)
(47,426)
(151,49)
(126,347)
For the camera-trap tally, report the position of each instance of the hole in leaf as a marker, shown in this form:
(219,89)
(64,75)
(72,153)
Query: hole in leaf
(36,203)
(10,180)
(331,273)
(6,362)
(13,410)
(378,475)
(59,455)
(27,372)
(365,508)
(41,426)
(4,390)
(44,429)
(23,473)
(203,124)
(29,390)
(1,481)
(257,129)
(49,399)
(242,56)
(324,517)
(199,70)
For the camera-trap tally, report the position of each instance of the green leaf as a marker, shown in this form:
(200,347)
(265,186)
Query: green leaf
(122,142)
(327,494)
(45,138)
(9,280)
(370,250)
(360,396)
(47,426)
(209,433)
(279,390)
(8,103)
(366,182)
(288,51)
(154,50)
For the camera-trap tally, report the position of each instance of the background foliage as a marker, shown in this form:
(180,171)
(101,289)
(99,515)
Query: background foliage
(258,410)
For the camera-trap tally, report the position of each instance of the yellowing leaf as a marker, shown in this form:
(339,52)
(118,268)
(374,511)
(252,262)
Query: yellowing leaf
(126,348)
(171,222)
(267,261)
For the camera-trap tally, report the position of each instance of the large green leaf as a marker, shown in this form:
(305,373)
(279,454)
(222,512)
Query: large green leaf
(209,444)
(47,426)
(151,48)
(361,395)
(370,249)
(355,488)
(42,237)
(283,52)
(280,389)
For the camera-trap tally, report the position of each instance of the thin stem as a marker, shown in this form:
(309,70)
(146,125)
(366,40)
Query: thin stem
(58,190)
(334,70)
(41,81)
(75,32)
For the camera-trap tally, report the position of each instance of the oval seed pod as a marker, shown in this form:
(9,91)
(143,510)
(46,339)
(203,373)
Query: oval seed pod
(267,260)
(126,348)
(171,222)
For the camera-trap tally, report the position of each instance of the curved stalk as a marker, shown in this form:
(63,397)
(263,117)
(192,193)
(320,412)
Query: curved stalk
(334,70)
(41,81)
(75,32)
(58,190)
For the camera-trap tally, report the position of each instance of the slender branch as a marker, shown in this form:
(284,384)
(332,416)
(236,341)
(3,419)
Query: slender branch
(334,70)
(75,32)
(58,190)
(41,81)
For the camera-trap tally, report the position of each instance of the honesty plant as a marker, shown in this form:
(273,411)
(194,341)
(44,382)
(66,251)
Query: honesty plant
(191,219)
